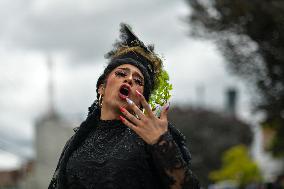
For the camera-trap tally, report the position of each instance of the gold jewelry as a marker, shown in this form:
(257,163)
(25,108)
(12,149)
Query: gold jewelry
(137,116)
(101,100)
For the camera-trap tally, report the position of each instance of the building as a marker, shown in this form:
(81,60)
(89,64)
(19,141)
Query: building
(51,134)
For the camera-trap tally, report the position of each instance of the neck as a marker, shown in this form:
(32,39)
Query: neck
(109,113)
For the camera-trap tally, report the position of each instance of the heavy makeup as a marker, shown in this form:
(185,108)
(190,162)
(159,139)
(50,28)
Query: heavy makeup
(121,83)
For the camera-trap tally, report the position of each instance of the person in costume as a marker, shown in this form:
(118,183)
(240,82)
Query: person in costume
(123,144)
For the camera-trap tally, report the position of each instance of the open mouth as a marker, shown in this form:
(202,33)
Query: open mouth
(124,91)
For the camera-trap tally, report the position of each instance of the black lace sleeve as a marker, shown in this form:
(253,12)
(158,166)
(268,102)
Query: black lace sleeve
(171,164)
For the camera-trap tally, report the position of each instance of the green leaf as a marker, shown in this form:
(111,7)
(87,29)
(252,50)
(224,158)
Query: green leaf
(161,94)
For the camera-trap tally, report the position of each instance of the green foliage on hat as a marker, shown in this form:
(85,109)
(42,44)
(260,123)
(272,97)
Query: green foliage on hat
(161,94)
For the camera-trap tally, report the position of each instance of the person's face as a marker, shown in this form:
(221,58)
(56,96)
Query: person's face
(122,83)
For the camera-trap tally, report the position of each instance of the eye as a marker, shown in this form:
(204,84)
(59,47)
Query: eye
(120,74)
(138,81)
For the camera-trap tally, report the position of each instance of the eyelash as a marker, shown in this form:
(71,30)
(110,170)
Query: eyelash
(122,74)
(139,82)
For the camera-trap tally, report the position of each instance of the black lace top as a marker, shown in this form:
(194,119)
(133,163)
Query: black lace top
(115,157)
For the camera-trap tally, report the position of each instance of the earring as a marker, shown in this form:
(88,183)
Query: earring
(101,100)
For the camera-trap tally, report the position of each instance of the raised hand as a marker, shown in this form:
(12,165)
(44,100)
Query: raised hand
(147,126)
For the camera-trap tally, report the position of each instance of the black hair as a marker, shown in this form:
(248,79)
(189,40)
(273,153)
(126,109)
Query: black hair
(75,141)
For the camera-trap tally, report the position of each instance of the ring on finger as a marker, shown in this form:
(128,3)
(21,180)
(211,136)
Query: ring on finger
(137,117)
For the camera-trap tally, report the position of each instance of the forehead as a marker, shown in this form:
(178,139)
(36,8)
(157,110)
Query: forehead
(131,68)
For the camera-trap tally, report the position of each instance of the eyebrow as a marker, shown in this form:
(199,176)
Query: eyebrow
(128,70)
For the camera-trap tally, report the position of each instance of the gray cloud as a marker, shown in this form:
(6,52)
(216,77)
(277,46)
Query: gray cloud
(88,34)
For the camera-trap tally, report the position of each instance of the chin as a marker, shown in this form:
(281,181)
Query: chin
(118,102)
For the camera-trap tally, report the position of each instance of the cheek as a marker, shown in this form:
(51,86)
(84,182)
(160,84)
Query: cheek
(111,84)
(137,98)
(110,81)
(139,88)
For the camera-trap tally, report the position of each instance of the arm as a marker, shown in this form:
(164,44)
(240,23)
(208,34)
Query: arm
(172,164)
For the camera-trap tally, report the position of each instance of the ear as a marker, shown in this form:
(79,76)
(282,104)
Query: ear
(101,89)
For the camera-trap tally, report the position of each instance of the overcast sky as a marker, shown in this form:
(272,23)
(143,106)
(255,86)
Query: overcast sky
(76,35)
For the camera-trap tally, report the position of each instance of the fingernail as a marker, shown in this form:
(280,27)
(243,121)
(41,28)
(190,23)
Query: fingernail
(129,101)
(121,118)
(158,110)
(138,93)
(122,109)
(168,106)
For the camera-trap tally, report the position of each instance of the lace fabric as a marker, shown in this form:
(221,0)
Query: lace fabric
(171,165)
(114,157)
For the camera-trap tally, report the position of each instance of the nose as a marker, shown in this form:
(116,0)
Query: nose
(129,80)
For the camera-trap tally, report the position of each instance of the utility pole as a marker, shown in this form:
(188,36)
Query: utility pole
(50,88)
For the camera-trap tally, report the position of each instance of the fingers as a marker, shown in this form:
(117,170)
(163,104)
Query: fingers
(164,113)
(145,104)
(136,110)
(129,124)
(129,116)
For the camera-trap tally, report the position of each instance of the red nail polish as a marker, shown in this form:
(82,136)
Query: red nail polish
(138,93)
(121,118)
(122,109)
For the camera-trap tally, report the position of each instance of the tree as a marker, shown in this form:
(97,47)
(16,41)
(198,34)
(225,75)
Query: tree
(237,166)
(250,36)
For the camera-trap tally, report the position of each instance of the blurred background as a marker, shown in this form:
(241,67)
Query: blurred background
(224,58)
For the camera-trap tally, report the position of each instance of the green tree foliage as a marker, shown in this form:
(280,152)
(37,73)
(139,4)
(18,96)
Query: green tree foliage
(238,166)
(250,35)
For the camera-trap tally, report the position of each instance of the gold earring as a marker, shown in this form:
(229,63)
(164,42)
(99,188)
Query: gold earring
(101,100)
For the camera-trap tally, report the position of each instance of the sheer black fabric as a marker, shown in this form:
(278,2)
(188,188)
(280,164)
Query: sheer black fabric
(115,157)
